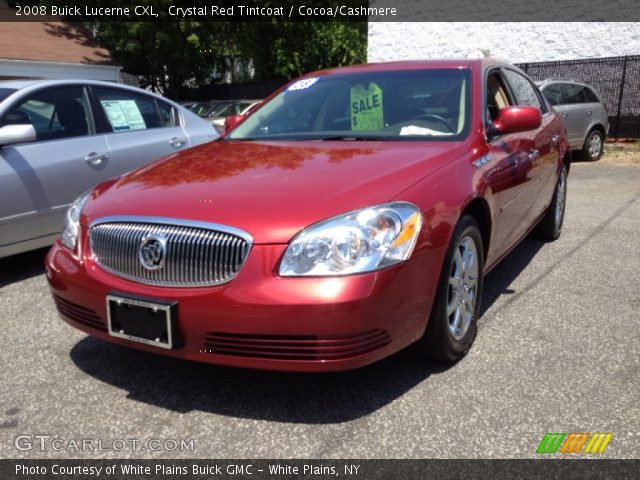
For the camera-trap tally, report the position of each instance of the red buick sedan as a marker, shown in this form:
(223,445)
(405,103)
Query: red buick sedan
(356,212)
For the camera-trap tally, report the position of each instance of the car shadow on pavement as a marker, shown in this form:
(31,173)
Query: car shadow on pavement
(184,386)
(497,282)
(22,266)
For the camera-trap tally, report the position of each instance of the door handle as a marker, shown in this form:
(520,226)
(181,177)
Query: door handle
(95,158)
(564,115)
(534,155)
(177,142)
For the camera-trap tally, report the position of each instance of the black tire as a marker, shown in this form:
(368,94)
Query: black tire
(593,146)
(550,227)
(439,342)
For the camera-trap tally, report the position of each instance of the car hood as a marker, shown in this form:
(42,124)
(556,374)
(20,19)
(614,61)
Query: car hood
(271,190)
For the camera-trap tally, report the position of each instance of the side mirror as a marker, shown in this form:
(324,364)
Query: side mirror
(232,121)
(517,119)
(17,134)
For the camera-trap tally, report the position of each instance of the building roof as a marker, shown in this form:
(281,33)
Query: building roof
(67,42)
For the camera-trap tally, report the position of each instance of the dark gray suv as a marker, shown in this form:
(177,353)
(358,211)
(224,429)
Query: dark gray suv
(585,117)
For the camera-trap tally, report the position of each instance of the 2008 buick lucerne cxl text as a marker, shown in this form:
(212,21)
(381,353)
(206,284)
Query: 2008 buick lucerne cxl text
(354,213)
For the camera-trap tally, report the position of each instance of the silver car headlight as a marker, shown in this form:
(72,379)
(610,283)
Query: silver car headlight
(356,242)
(72,221)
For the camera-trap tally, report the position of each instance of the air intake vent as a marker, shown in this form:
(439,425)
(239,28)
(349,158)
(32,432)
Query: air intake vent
(79,314)
(294,347)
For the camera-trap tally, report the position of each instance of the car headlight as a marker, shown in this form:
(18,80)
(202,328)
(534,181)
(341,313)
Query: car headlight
(356,242)
(72,221)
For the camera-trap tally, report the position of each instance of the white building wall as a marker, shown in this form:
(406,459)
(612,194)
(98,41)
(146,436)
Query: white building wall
(58,70)
(512,41)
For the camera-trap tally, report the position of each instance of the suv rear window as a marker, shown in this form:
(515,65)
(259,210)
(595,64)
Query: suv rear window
(572,93)
(591,96)
(569,93)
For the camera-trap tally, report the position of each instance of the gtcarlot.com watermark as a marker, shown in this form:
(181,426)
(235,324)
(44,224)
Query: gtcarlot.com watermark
(42,442)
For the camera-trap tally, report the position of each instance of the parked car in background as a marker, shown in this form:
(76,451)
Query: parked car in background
(208,108)
(585,117)
(189,105)
(233,120)
(353,214)
(236,107)
(58,138)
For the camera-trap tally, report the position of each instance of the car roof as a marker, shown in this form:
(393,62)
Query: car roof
(415,65)
(16,84)
(36,83)
(550,81)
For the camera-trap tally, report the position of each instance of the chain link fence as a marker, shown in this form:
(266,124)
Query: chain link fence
(616,79)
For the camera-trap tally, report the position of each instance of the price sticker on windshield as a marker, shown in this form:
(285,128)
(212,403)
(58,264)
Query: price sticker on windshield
(366,107)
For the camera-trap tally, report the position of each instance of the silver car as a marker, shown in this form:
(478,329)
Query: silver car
(58,138)
(585,117)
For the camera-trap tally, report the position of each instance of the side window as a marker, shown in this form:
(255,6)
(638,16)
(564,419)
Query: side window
(572,93)
(126,111)
(590,96)
(523,89)
(497,96)
(168,114)
(553,94)
(54,113)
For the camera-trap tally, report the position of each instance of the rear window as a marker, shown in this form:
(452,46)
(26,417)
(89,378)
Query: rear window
(591,96)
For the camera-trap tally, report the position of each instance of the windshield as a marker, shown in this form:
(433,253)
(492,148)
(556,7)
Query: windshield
(429,104)
(5,92)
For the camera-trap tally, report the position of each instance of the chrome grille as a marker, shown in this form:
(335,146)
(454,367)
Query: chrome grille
(197,254)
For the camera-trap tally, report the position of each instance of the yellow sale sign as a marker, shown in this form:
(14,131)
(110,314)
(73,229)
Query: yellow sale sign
(366,108)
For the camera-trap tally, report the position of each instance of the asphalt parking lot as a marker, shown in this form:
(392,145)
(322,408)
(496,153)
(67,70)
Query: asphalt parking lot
(557,351)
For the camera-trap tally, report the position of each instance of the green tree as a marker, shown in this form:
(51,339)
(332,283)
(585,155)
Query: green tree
(288,49)
(167,56)
(171,55)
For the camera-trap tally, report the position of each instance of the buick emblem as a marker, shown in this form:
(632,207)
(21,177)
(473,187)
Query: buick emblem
(153,251)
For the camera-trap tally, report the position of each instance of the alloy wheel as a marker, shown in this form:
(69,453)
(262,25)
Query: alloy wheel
(595,146)
(463,283)
(561,196)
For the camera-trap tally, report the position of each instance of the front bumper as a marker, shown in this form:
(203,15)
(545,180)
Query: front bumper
(260,320)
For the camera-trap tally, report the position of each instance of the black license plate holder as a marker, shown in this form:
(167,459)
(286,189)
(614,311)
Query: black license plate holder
(140,320)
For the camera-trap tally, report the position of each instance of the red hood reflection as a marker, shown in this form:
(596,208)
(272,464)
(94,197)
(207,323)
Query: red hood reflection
(271,189)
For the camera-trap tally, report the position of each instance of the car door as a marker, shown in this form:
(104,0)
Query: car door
(544,152)
(510,176)
(39,179)
(139,128)
(553,93)
(595,112)
(574,113)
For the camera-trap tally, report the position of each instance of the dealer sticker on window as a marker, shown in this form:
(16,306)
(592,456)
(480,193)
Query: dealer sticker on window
(123,115)
(302,84)
(366,107)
